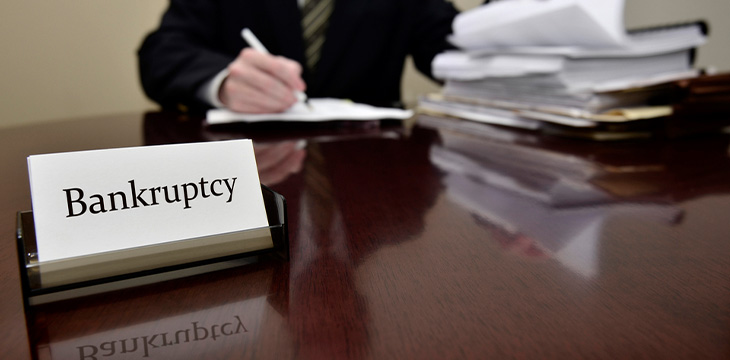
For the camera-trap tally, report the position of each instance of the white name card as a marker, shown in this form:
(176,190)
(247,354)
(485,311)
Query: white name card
(98,201)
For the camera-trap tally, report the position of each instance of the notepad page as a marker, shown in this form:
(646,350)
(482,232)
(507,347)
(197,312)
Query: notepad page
(316,110)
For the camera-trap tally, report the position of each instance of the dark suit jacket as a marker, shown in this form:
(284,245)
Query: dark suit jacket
(362,58)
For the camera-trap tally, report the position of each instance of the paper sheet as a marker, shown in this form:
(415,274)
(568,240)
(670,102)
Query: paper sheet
(583,23)
(573,28)
(457,65)
(322,109)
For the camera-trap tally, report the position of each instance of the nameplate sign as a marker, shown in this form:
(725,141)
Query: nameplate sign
(102,201)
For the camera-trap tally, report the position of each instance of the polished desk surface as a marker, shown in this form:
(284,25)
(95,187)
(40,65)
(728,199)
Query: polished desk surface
(396,256)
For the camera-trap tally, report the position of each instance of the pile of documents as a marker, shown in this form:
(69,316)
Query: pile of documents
(564,67)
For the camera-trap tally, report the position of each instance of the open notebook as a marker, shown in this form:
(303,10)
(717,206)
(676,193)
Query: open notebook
(317,110)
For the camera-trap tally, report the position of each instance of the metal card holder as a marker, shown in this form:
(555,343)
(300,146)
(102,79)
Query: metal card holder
(44,282)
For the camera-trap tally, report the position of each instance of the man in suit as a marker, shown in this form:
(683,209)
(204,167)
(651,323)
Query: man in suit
(195,57)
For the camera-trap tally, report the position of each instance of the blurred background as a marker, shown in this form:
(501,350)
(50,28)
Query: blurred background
(77,58)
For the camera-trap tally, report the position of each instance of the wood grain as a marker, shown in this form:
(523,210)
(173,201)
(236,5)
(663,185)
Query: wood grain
(389,262)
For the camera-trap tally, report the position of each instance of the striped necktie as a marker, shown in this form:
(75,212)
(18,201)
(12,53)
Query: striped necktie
(315,18)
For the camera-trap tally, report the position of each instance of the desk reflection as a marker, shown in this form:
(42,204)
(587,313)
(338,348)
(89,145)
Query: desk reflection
(280,149)
(331,201)
(325,173)
(542,197)
(192,318)
(402,247)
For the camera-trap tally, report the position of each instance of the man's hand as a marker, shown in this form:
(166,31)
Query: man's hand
(261,83)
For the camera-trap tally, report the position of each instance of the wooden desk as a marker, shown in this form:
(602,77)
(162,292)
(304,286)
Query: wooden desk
(393,259)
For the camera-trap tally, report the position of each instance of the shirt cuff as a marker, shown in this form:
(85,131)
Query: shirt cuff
(208,92)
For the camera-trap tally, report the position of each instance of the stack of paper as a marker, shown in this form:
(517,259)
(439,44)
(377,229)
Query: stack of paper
(562,63)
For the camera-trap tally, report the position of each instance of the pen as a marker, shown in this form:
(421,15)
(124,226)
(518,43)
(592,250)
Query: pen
(252,40)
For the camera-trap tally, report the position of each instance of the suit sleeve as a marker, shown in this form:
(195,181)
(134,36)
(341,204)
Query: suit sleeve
(182,54)
(432,25)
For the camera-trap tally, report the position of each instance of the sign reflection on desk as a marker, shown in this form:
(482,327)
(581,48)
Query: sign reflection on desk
(134,342)
(196,320)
